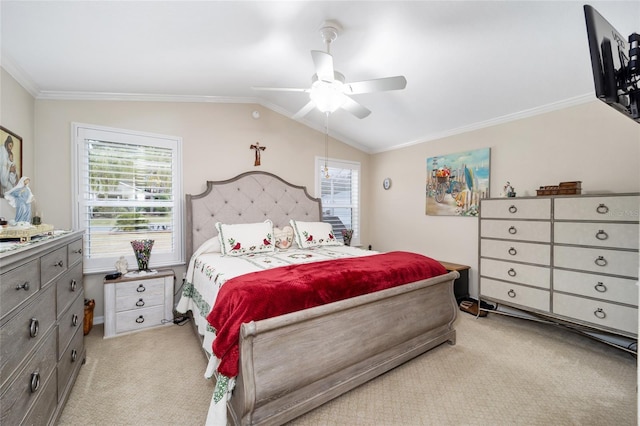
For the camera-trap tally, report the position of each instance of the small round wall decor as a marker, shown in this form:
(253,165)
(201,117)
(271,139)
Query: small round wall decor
(386,183)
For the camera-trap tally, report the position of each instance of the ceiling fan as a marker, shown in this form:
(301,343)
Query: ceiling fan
(328,90)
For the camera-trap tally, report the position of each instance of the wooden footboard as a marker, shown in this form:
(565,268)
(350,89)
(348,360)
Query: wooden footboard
(295,362)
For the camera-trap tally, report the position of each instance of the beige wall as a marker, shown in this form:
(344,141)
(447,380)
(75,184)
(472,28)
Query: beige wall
(590,142)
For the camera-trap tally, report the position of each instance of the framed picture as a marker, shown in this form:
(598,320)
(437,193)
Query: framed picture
(456,182)
(10,160)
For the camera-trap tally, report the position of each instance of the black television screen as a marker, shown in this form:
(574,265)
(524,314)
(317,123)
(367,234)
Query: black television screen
(616,83)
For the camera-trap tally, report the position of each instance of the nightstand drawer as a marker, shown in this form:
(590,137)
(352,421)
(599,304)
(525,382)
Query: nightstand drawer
(537,276)
(143,300)
(514,294)
(139,319)
(516,230)
(596,312)
(141,288)
(517,251)
(615,235)
(621,290)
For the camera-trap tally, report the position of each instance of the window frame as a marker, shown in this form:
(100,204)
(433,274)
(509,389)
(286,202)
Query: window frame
(343,164)
(81,132)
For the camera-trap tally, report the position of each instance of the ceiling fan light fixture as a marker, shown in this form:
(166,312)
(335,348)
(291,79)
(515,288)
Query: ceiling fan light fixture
(327,96)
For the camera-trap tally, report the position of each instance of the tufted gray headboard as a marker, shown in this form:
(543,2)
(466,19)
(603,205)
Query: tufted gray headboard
(247,198)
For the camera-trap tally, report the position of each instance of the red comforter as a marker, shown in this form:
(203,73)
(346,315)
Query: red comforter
(265,294)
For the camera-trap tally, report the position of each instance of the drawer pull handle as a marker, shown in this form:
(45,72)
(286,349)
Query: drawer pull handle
(35,382)
(74,355)
(601,261)
(24,286)
(600,287)
(74,320)
(140,319)
(599,313)
(513,209)
(60,263)
(140,288)
(79,251)
(601,235)
(511,293)
(512,230)
(513,251)
(73,285)
(140,302)
(602,209)
(511,272)
(34,327)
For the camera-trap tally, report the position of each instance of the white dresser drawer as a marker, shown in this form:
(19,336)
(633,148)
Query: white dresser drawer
(613,289)
(602,314)
(514,294)
(516,230)
(537,276)
(517,251)
(614,208)
(602,261)
(512,208)
(139,301)
(139,319)
(616,235)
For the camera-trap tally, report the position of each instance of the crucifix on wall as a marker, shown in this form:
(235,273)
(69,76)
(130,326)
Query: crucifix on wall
(257,148)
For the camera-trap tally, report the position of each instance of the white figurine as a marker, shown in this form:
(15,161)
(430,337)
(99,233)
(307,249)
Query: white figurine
(122,265)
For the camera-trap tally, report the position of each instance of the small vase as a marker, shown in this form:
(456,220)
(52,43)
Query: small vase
(142,252)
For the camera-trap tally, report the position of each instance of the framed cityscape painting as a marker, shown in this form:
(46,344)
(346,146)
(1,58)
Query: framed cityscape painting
(456,182)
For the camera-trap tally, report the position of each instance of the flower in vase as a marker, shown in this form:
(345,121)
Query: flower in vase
(142,252)
(347,234)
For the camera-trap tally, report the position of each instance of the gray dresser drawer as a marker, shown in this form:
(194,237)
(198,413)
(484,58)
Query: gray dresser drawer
(516,230)
(74,252)
(29,383)
(536,276)
(53,264)
(514,294)
(613,289)
(36,318)
(70,322)
(70,360)
(606,208)
(18,285)
(517,251)
(516,208)
(42,412)
(68,287)
(615,235)
(596,312)
(601,261)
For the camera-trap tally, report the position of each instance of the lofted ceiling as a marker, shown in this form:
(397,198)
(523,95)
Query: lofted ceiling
(468,64)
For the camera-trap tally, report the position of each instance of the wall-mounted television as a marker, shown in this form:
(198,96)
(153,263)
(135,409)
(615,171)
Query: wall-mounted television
(615,64)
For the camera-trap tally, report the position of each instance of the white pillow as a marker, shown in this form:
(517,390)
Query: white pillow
(283,237)
(314,234)
(245,238)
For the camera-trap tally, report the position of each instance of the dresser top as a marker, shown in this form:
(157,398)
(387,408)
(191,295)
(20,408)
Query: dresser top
(11,252)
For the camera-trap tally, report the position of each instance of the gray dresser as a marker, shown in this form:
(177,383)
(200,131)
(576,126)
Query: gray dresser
(41,328)
(573,259)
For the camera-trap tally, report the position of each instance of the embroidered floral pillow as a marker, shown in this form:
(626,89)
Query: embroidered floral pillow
(283,237)
(245,238)
(313,234)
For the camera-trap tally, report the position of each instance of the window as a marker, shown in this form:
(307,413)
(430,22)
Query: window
(127,186)
(340,194)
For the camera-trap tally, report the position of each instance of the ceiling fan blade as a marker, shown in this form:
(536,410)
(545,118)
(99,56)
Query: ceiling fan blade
(376,85)
(304,110)
(281,89)
(324,65)
(355,108)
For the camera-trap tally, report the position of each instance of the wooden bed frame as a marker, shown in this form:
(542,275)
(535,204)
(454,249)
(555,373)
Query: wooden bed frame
(293,363)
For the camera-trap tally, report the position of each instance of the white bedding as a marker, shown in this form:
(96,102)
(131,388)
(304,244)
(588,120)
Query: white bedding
(209,270)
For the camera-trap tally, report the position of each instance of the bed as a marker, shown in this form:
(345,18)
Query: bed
(292,363)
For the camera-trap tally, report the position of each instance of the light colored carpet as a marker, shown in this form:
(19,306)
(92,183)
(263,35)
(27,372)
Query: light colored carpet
(502,371)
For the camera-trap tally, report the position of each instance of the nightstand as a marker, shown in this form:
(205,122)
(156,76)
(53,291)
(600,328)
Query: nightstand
(138,303)
(461,285)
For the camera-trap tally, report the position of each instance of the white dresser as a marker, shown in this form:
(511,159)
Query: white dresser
(138,303)
(569,258)
(41,328)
